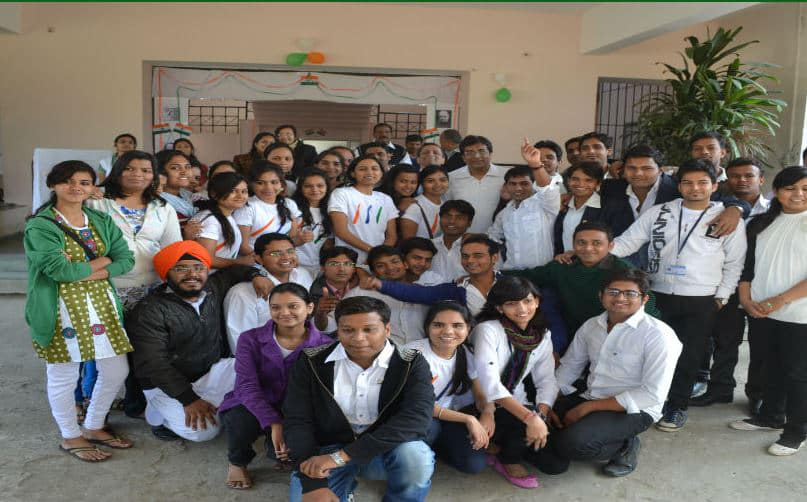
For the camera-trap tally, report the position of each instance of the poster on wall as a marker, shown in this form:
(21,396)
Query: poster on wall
(442,119)
(46,158)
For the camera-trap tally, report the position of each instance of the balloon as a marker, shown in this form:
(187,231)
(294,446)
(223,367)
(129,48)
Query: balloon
(295,59)
(316,57)
(503,95)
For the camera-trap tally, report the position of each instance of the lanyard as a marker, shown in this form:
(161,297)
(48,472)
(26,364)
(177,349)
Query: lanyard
(680,219)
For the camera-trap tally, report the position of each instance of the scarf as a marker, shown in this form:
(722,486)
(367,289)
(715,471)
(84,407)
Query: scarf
(522,342)
(182,203)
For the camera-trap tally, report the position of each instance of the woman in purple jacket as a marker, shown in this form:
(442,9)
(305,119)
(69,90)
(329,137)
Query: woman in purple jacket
(264,356)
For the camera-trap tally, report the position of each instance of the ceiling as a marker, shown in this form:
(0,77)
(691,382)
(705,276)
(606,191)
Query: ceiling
(559,7)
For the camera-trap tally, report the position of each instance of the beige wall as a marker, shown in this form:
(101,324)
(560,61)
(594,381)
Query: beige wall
(80,85)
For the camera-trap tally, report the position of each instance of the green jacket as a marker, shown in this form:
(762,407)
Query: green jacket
(578,287)
(48,267)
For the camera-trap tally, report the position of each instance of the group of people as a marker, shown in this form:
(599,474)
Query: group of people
(370,311)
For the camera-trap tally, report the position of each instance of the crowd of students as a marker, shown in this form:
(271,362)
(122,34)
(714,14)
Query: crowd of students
(367,312)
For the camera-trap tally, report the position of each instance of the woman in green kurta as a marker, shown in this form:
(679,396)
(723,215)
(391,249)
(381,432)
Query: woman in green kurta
(72,309)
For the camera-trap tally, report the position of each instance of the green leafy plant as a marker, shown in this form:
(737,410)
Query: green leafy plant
(714,90)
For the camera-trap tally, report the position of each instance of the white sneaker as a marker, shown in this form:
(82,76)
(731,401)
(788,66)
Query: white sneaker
(753,424)
(781,450)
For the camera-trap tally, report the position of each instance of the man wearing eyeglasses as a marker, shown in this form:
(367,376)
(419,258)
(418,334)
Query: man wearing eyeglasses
(243,308)
(479,182)
(338,265)
(632,359)
(181,356)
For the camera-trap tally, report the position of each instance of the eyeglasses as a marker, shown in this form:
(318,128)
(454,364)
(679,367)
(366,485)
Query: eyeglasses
(346,264)
(630,294)
(184,269)
(475,153)
(278,254)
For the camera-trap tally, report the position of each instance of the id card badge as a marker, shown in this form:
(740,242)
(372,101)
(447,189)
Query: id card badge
(676,270)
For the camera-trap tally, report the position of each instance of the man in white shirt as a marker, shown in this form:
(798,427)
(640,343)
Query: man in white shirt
(243,308)
(479,182)
(338,265)
(744,180)
(359,407)
(418,255)
(551,157)
(406,319)
(693,272)
(632,358)
(525,224)
(455,219)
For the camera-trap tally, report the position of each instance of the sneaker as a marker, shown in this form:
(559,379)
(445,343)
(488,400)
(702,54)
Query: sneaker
(625,461)
(699,389)
(673,420)
(783,448)
(163,433)
(755,424)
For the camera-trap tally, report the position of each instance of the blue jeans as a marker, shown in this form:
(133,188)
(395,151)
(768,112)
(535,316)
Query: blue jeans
(407,469)
(450,442)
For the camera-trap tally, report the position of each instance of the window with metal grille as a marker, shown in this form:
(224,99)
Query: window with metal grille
(218,115)
(619,103)
(403,123)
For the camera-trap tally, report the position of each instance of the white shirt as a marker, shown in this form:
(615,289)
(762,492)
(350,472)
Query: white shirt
(367,215)
(527,229)
(634,363)
(482,194)
(705,266)
(406,319)
(649,200)
(160,228)
(573,218)
(780,262)
(760,206)
(211,229)
(447,262)
(355,389)
(443,374)
(432,212)
(556,181)
(308,253)
(492,352)
(474,299)
(263,218)
(283,350)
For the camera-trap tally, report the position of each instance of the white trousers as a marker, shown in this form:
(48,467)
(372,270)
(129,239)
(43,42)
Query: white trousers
(61,383)
(165,410)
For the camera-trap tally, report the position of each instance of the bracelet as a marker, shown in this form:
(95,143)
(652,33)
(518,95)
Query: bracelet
(527,416)
(440,413)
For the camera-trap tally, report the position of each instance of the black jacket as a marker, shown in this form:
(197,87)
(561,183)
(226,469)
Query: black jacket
(396,152)
(173,345)
(304,156)
(313,419)
(454,162)
(589,214)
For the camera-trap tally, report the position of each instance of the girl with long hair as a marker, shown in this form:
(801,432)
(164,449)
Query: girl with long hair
(422,218)
(282,155)
(177,169)
(461,410)
(268,211)
(263,360)
(72,309)
(511,342)
(773,290)
(316,231)
(219,232)
(332,163)
(243,162)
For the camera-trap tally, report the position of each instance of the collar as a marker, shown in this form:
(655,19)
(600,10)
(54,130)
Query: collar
(632,321)
(465,172)
(653,189)
(382,359)
(593,201)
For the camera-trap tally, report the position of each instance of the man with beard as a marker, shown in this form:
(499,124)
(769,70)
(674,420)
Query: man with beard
(180,355)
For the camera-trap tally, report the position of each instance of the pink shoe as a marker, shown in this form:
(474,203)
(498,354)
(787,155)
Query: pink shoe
(530,481)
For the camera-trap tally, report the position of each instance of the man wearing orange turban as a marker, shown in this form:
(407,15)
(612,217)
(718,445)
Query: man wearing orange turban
(181,356)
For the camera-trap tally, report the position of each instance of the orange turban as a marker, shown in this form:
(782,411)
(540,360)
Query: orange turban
(170,255)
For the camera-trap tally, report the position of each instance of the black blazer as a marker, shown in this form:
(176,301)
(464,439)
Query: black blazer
(454,162)
(589,214)
(304,156)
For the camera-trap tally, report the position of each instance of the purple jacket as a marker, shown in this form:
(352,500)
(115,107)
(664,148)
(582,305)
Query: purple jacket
(261,373)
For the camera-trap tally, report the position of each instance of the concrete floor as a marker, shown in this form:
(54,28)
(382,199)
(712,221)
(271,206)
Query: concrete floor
(704,462)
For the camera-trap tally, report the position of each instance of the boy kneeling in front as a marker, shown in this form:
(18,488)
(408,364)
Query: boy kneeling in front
(359,407)
(632,359)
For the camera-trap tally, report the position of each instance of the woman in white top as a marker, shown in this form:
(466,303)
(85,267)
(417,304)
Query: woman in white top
(511,342)
(177,170)
(773,290)
(363,218)
(219,233)
(456,388)
(316,230)
(422,219)
(268,211)
(147,222)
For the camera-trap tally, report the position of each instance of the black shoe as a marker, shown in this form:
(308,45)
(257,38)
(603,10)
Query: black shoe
(710,397)
(163,433)
(626,460)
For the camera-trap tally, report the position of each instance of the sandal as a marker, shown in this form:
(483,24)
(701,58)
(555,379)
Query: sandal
(528,482)
(116,442)
(244,478)
(75,452)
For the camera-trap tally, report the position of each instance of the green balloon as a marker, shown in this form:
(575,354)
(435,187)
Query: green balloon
(295,59)
(503,95)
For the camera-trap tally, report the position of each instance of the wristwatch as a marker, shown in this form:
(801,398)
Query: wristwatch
(337,458)
(723,301)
